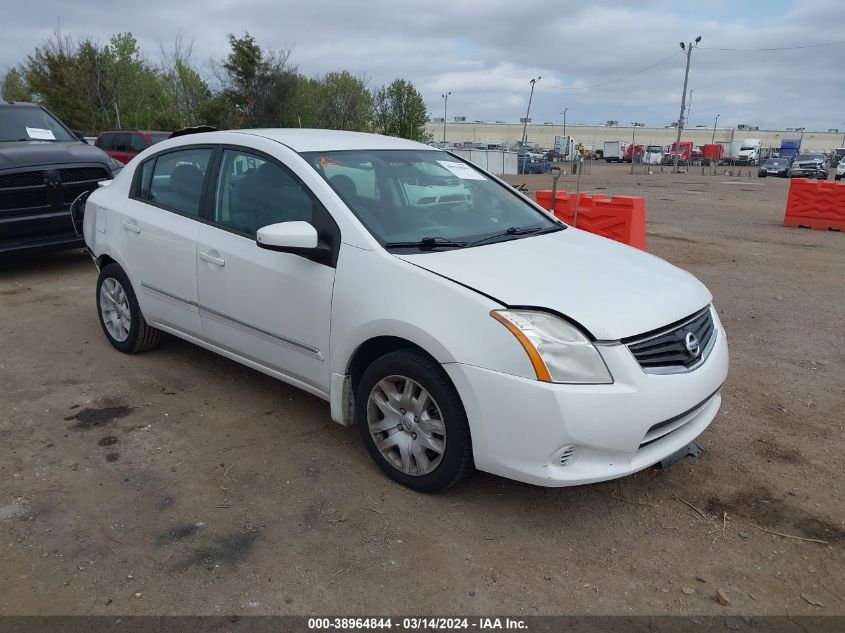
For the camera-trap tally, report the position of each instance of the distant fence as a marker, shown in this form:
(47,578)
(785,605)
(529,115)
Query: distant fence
(497,162)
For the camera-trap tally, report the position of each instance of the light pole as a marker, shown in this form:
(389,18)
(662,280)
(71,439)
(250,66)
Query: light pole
(688,48)
(713,140)
(634,126)
(689,106)
(565,140)
(843,134)
(528,111)
(800,140)
(445,103)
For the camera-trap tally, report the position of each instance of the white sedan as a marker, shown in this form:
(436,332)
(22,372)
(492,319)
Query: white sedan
(453,321)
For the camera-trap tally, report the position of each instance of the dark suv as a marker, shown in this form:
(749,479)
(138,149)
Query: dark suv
(124,145)
(44,166)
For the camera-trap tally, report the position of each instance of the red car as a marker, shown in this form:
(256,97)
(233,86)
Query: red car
(124,145)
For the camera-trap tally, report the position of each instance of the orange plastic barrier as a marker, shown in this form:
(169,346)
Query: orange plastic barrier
(620,218)
(815,204)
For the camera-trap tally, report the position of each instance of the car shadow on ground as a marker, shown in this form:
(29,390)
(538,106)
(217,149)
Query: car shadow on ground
(18,267)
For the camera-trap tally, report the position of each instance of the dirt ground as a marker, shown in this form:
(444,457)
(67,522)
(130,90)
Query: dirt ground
(178,482)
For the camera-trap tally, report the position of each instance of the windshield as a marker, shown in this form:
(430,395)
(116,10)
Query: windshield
(746,148)
(158,138)
(25,123)
(809,157)
(404,197)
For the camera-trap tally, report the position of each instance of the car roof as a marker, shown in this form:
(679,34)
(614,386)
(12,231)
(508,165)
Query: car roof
(135,130)
(20,104)
(311,140)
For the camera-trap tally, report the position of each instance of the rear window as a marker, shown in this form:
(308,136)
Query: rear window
(158,138)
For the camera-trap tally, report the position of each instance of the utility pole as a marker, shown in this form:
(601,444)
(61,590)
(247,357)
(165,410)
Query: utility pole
(843,134)
(528,111)
(713,140)
(445,103)
(688,48)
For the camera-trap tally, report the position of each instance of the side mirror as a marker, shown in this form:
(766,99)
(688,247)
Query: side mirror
(298,238)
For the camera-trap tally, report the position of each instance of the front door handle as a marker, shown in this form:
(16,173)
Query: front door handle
(211,259)
(131,225)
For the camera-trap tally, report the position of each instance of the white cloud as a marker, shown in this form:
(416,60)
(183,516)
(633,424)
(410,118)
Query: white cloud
(485,51)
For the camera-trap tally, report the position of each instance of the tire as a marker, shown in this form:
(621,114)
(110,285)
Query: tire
(761,174)
(399,378)
(125,327)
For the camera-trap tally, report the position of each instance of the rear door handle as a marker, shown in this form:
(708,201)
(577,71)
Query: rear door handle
(211,259)
(131,225)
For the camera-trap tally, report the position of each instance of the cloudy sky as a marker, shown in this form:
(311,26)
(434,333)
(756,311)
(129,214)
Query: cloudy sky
(486,51)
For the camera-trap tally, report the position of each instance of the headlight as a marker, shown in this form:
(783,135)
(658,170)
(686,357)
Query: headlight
(558,351)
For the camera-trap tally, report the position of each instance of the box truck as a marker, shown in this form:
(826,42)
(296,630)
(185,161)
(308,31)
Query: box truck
(614,151)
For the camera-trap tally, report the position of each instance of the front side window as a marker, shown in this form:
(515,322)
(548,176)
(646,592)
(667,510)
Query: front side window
(176,179)
(416,198)
(253,192)
(105,142)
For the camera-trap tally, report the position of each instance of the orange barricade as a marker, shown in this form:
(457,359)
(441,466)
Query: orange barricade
(620,218)
(815,204)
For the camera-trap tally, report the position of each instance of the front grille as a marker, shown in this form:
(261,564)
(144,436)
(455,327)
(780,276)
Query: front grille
(76,174)
(667,350)
(23,200)
(28,191)
(21,179)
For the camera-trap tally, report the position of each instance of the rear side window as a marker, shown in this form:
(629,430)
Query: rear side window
(174,180)
(137,143)
(121,143)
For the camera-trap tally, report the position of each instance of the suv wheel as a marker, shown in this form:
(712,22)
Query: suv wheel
(120,315)
(413,422)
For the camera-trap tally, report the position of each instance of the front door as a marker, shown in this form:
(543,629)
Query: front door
(269,307)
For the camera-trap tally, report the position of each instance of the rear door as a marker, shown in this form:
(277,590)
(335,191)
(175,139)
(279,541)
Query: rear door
(120,147)
(268,307)
(159,231)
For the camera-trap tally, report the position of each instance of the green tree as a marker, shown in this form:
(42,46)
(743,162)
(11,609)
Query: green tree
(399,110)
(345,103)
(14,87)
(258,86)
(184,93)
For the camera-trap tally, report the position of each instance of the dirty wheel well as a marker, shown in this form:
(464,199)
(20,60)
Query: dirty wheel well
(104,260)
(375,348)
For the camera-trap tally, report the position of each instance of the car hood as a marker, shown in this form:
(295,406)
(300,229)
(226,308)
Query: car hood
(35,153)
(610,289)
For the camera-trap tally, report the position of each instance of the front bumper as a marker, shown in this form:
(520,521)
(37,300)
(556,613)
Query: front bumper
(796,172)
(524,429)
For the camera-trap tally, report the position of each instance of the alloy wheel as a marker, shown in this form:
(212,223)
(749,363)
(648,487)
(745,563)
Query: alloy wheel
(114,309)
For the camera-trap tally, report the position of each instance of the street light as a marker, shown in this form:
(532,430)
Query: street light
(843,135)
(688,49)
(713,140)
(445,103)
(528,111)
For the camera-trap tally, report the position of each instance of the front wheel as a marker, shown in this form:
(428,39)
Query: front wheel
(413,422)
(120,315)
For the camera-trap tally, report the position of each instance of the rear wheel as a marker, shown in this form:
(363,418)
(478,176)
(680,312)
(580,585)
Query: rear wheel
(120,315)
(412,421)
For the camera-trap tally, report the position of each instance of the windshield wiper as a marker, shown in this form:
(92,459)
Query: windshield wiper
(515,230)
(426,243)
